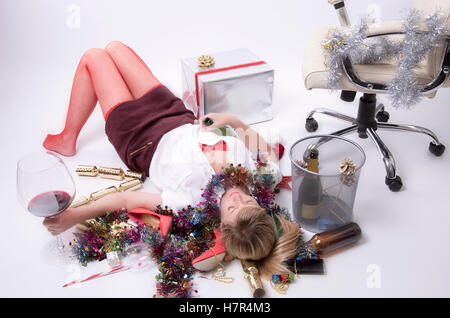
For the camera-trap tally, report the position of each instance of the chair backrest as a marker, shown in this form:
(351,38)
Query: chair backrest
(428,7)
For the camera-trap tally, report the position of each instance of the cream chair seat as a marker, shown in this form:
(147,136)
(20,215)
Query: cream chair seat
(316,74)
(432,73)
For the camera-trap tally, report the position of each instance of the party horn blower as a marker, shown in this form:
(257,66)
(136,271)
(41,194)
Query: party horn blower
(112,271)
(253,278)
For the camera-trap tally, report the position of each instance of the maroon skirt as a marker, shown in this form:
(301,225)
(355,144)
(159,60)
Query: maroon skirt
(135,127)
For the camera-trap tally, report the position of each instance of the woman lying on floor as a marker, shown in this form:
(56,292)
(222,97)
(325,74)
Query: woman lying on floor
(153,132)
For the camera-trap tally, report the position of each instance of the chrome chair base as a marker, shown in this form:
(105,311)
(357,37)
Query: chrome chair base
(392,180)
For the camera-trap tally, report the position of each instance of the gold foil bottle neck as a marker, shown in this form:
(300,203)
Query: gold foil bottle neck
(254,280)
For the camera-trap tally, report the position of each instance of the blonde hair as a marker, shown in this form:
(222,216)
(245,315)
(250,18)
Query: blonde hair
(252,237)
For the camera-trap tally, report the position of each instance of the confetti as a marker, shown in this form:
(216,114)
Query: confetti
(192,231)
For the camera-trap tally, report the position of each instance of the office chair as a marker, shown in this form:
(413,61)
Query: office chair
(372,80)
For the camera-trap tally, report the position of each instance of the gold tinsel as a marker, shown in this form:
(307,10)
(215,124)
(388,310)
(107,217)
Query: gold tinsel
(100,228)
(118,227)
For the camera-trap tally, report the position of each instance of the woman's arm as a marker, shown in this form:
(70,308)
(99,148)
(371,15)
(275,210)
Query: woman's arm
(110,203)
(252,140)
(116,201)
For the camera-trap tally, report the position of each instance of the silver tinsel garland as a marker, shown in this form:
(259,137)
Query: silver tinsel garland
(404,89)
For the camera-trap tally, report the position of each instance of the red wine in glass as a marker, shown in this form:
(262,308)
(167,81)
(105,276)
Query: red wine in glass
(45,188)
(49,203)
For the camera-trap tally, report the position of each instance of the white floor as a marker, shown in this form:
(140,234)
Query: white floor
(404,252)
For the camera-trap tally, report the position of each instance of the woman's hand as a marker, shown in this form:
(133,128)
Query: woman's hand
(113,202)
(63,221)
(219,120)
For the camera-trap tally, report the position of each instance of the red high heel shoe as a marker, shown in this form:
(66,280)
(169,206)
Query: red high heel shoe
(211,258)
(141,215)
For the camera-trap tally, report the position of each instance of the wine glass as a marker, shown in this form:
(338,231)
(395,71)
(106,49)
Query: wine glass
(45,188)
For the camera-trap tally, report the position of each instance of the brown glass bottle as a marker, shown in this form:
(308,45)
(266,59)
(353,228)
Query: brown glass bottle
(333,239)
(323,243)
(310,191)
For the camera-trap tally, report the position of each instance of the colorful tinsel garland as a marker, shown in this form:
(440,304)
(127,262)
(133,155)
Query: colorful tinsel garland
(191,235)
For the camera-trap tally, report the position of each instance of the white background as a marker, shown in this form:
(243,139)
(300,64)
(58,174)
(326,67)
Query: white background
(404,251)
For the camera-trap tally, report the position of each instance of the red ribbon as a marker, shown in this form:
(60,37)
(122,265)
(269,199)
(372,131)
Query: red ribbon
(216,70)
(284,183)
(220,145)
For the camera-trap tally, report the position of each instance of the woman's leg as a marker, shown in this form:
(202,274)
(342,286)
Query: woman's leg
(134,71)
(96,79)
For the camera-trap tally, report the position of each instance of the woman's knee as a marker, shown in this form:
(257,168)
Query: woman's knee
(93,54)
(114,46)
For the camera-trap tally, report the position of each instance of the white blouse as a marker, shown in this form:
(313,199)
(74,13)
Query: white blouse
(180,169)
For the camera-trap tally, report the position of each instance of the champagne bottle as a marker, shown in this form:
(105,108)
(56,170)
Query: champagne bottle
(251,274)
(310,191)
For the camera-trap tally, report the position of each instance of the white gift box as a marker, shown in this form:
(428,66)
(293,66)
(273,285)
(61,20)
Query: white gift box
(239,83)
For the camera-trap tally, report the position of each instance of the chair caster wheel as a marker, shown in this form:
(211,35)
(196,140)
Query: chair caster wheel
(348,96)
(311,124)
(382,116)
(394,184)
(436,150)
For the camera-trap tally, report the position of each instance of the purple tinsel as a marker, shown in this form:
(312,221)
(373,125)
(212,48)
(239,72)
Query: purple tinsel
(191,235)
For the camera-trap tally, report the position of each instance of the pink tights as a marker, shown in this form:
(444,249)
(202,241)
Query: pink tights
(110,77)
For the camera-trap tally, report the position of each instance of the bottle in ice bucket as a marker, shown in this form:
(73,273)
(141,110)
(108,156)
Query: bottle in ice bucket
(310,191)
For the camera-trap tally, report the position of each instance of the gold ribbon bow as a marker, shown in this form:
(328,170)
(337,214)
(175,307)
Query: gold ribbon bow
(206,61)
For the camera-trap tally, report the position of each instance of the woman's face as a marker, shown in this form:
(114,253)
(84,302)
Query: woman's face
(232,200)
